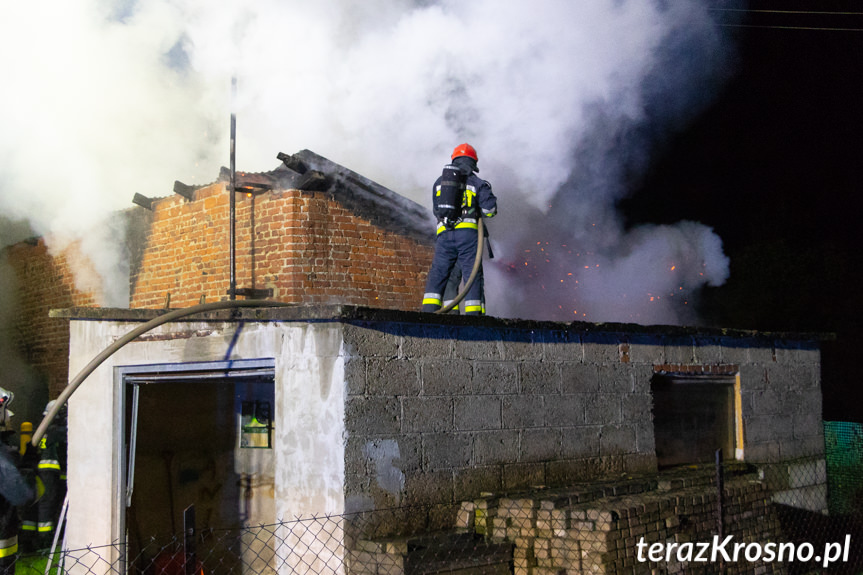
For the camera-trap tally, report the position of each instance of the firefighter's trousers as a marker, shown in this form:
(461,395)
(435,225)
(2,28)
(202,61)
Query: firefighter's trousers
(455,247)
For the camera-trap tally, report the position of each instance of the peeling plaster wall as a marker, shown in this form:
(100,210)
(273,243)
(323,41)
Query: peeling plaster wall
(310,408)
(309,415)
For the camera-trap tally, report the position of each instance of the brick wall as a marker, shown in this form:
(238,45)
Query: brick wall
(598,529)
(601,528)
(46,281)
(305,245)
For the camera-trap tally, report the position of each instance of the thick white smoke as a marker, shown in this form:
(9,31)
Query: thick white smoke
(562,99)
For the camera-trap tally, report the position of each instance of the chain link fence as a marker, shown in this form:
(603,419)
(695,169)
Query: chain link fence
(810,510)
(317,545)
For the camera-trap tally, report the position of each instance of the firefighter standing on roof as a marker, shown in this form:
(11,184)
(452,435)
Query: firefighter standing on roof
(457,239)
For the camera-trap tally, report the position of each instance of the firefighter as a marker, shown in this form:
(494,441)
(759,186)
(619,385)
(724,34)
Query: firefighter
(15,489)
(457,237)
(51,471)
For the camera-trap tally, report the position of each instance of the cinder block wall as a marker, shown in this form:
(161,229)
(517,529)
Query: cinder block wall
(407,415)
(45,281)
(305,245)
(441,413)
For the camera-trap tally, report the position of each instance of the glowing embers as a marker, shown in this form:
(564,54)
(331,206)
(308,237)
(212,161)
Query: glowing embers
(564,281)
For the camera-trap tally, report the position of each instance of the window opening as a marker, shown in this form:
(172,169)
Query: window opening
(256,428)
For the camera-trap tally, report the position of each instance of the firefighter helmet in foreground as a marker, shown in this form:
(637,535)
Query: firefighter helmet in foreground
(6,398)
(464,150)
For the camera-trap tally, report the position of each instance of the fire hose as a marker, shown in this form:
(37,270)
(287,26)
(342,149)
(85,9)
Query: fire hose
(140,330)
(477,263)
(202,308)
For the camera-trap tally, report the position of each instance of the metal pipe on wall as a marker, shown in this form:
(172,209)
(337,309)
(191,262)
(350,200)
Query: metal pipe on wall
(130,336)
(232,289)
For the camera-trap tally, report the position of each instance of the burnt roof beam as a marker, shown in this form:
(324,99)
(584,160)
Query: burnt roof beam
(143,201)
(292,163)
(182,189)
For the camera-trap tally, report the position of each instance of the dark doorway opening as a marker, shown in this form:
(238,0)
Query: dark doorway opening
(693,416)
(197,434)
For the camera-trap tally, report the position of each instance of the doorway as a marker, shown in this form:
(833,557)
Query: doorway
(197,434)
(693,416)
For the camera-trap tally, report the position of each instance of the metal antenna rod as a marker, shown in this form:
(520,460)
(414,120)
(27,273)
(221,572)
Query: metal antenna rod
(232,290)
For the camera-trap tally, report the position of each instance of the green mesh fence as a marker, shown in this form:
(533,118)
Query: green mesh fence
(844,453)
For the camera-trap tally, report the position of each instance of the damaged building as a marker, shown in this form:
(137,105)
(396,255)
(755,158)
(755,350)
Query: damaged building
(556,444)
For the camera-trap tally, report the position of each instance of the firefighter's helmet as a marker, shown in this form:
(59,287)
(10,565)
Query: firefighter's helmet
(6,414)
(464,150)
(6,397)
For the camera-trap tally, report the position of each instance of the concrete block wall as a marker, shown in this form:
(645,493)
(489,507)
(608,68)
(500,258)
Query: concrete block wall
(782,400)
(304,245)
(397,418)
(440,412)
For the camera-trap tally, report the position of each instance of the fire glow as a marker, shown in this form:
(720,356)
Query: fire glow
(558,264)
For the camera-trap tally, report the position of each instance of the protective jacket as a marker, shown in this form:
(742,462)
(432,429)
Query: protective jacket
(15,491)
(51,470)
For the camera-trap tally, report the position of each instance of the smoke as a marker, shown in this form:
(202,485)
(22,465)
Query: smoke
(563,100)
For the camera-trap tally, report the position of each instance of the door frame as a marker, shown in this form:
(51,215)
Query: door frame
(127,375)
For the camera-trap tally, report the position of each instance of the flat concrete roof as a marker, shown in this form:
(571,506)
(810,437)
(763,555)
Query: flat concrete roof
(370,315)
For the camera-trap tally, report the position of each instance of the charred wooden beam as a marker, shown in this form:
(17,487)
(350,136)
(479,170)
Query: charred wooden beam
(313,181)
(292,163)
(182,189)
(143,201)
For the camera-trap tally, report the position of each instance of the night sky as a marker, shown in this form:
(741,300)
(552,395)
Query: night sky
(774,166)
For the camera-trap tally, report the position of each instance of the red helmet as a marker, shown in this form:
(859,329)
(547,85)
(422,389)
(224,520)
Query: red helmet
(464,150)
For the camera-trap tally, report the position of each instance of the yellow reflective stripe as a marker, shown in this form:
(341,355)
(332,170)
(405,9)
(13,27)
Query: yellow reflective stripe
(28,526)
(469,194)
(465,224)
(46,527)
(49,464)
(431,301)
(461,226)
(9,546)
